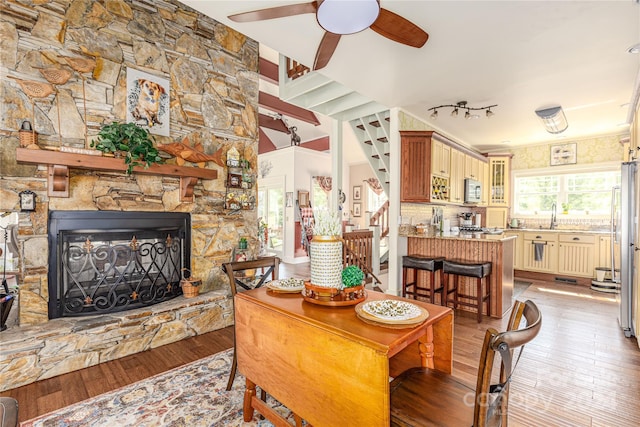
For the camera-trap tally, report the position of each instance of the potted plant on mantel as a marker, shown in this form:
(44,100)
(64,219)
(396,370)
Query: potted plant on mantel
(135,142)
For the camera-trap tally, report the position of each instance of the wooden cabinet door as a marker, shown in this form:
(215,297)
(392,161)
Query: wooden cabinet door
(548,261)
(604,252)
(577,254)
(440,158)
(472,168)
(484,166)
(415,161)
(456,177)
(517,248)
(499,175)
(496,217)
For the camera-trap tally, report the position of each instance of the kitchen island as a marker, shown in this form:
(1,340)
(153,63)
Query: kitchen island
(498,249)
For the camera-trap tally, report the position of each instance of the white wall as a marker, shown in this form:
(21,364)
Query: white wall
(297,165)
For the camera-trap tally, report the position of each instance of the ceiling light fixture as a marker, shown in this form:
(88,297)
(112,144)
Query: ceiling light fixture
(347,17)
(553,119)
(462,105)
(634,49)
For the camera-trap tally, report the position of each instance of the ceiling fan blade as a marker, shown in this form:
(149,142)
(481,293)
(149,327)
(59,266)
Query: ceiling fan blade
(396,28)
(275,12)
(325,51)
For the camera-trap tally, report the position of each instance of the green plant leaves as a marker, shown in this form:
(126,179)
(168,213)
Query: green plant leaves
(130,138)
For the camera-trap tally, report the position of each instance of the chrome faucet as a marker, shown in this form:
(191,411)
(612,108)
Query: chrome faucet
(554,223)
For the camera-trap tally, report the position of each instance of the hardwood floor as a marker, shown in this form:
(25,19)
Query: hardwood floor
(580,370)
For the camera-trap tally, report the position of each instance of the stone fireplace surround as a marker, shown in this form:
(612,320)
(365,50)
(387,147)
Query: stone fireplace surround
(214,101)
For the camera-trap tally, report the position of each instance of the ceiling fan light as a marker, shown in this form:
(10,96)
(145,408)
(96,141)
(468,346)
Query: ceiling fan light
(347,17)
(553,119)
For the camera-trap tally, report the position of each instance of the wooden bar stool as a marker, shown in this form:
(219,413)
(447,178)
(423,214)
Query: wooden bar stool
(417,289)
(479,270)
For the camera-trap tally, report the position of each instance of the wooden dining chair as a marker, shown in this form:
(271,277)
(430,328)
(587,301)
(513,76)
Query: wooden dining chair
(425,397)
(245,275)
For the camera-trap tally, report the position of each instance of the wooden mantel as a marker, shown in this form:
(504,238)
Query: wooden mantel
(59,163)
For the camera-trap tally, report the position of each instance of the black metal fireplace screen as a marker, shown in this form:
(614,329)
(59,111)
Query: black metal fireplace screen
(113,261)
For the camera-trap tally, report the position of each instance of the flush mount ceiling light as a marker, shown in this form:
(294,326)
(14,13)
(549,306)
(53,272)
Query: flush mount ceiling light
(553,119)
(347,17)
(462,105)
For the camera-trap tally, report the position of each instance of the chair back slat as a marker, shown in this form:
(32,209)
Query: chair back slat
(491,400)
(271,264)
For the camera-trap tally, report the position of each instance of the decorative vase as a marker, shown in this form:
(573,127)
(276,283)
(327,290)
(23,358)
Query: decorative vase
(326,261)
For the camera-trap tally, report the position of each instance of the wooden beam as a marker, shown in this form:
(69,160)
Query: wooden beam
(320,144)
(269,71)
(276,104)
(265,144)
(268,122)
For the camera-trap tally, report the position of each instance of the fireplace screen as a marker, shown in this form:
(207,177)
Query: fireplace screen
(125,263)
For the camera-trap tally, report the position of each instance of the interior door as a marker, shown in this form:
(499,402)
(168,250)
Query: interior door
(271,200)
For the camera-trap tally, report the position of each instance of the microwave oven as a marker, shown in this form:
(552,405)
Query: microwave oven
(472,191)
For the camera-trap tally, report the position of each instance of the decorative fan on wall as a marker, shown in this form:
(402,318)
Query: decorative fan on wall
(342,17)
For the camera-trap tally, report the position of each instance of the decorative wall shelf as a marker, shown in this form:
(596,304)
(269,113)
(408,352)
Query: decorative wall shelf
(59,163)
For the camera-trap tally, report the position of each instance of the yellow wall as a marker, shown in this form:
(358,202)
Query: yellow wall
(590,150)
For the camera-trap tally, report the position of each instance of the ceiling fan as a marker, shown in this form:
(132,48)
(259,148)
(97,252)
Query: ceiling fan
(342,17)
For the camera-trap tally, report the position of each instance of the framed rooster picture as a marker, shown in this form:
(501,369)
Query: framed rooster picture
(148,101)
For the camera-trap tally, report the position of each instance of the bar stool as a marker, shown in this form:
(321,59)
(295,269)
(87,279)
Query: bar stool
(416,263)
(479,270)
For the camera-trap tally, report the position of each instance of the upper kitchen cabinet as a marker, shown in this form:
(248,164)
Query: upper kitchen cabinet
(499,176)
(415,164)
(472,167)
(457,177)
(440,158)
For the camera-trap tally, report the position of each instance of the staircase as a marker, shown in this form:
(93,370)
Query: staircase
(368,119)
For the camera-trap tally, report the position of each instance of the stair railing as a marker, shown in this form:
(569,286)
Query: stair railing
(357,250)
(296,69)
(381,219)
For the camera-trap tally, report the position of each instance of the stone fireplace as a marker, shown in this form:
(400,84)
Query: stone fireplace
(103,262)
(213,72)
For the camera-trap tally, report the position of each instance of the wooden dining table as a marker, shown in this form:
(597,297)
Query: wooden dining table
(324,363)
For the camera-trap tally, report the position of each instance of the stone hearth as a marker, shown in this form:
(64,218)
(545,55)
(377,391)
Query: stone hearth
(32,353)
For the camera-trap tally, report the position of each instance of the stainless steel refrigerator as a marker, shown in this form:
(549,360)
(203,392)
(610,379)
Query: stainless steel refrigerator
(627,236)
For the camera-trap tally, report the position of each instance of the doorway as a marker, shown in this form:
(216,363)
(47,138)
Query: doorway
(271,198)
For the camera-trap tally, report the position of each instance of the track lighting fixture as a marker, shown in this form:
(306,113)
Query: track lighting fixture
(462,105)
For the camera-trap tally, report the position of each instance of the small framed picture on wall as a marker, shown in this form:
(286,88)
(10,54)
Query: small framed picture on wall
(357,192)
(356,209)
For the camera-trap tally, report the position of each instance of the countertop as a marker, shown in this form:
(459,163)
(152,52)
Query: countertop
(546,230)
(461,236)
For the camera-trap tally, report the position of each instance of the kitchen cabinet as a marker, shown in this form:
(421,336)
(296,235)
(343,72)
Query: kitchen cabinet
(440,158)
(472,167)
(604,252)
(415,164)
(456,178)
(425,159)
(517,248)
(485,183)
(577,254)
(546,260)
(499,176)
(496,217)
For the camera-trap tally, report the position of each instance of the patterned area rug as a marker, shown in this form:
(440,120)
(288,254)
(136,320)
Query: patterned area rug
(188,396)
